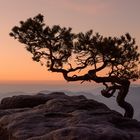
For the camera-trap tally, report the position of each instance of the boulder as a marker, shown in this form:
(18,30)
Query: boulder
(22,101)
(57,116)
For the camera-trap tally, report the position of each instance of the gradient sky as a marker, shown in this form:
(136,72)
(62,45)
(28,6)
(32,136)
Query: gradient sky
(108,17)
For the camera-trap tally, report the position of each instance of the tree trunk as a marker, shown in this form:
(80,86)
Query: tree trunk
(129,111)
(123,89)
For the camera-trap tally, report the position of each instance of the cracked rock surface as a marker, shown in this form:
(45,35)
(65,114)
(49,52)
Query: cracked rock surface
(57,116)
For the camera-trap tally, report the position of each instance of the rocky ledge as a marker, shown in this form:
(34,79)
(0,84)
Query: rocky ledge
(56,116)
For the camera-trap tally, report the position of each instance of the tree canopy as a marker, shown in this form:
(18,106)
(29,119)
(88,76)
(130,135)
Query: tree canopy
(88,56)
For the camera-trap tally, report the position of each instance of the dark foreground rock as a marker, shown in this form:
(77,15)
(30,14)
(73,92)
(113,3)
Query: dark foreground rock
(57,116)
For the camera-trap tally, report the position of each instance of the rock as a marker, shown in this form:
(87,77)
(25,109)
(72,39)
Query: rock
(23,101)
(56,116)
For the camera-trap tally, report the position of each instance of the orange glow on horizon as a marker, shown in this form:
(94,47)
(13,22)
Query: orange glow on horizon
(109,18)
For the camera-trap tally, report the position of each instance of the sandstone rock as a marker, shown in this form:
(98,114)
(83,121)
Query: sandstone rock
(23,101)
(57,116)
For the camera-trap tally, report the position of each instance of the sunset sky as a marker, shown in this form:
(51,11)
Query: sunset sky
(108,17)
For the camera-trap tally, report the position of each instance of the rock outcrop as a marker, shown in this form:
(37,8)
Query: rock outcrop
(57,116)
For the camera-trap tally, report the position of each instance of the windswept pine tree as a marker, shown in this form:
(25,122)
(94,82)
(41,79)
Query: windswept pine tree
(112,61)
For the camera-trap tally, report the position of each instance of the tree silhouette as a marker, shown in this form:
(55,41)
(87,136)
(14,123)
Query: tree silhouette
(112,61)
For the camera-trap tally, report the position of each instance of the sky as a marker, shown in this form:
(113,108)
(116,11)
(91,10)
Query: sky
(108,17)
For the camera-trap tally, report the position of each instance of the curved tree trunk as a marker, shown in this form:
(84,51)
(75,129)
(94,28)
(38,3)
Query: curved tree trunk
(129,111)
(123,91)
(123,87)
